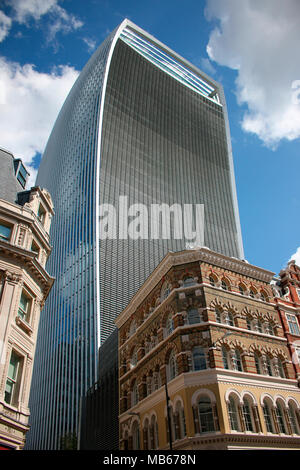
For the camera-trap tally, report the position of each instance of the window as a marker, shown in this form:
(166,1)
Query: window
(165,292)
(132,329)
(218,315)
(293,324)
(280,418)
(280,368)
(225,357)
(193,316)
(292,412)
(229,319)
(224,285)
(268,416)
(5,232)
(134,359)
(270,329)
(199,359)
(242,289)
(269,366)
(252,293)
(257,361)
(35,248)
(13,379)
(206,416)
(188,281)
(212,281)
(169,324)
(135,394)
(41,214)
(247,414)
(233,414)
(24,307)
(135,436)
(237,360)
(298,292)
(172,366)
(22,175)
(249,322)
(259,326)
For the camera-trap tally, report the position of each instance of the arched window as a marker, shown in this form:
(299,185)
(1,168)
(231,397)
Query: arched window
(199,359)
(269,366)
(259,326)
(188,281)
(146,433)
(258,365)
(270,329)
(218,315)
(212,281)
(233,414)
(193,316)
(165,291)
(280,418)
(154,433)
(248,415)
(224,284)
(135,436)
(172,366)
(179,418)
(267,410)
(281,370)
(206,415)
(242,289)
(169,324)
(237,360)
(229,319)
(225,357)
(249,321)
(134,358)
(135,394)
(293,412)
(264,296)
(252,293)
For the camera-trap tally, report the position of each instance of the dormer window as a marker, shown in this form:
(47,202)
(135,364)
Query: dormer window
(21,172)
(5,232)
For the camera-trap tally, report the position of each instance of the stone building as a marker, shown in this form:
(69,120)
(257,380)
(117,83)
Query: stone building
(287,299)
(25,218)
(208,326)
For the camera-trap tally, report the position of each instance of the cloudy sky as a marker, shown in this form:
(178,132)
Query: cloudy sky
(250,46)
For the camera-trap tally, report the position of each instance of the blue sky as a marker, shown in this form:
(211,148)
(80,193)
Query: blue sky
(251,47)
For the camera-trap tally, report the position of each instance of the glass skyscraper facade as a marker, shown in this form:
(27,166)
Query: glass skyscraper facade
(141,122)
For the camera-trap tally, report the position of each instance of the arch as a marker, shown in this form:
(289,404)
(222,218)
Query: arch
(235,393)
(165,290)
(225,283)
(242,288)
(213,279)
(246,393)
(203,391)
(267,396)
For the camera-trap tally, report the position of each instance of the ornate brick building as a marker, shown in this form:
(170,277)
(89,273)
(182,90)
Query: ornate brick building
(208,326)
(25,218)
(287,299)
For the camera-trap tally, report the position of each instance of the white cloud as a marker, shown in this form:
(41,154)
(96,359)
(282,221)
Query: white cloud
(24,9)
(260,40)
(207,66)
(59,19)
(296,257)
(5,25)
(30,103)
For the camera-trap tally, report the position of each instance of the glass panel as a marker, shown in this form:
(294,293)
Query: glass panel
(193,316)
(206,418)
(5,232)
(199,359)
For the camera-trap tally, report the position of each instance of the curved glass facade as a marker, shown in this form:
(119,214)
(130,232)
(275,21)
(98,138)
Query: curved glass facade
(139,122)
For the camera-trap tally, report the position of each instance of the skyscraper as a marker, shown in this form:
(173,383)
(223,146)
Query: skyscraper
(144,124)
